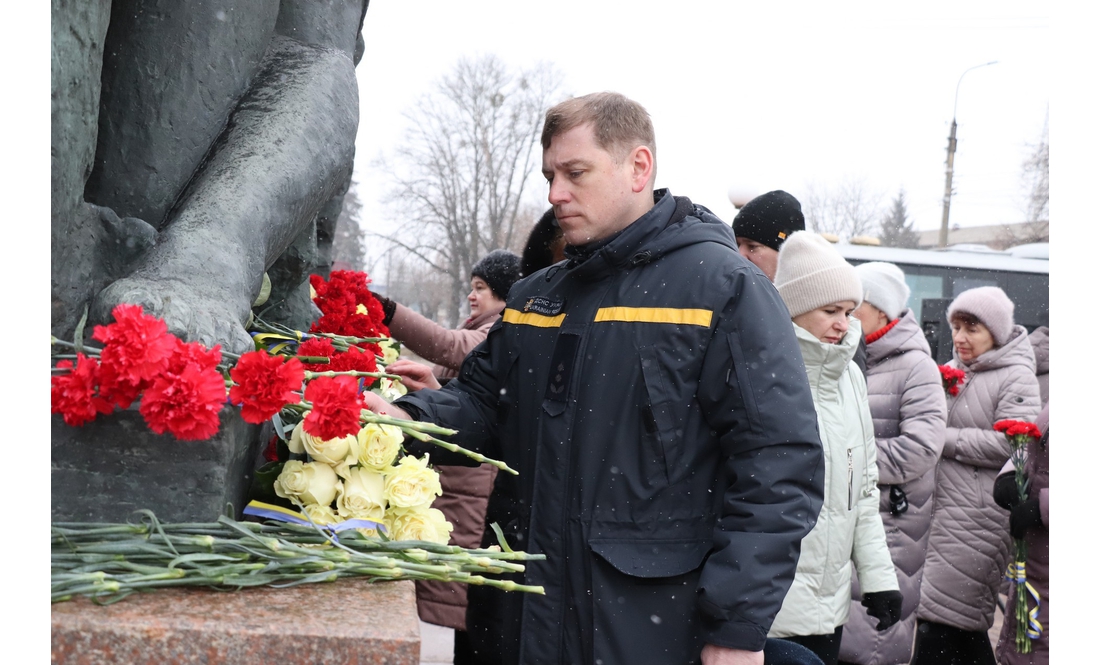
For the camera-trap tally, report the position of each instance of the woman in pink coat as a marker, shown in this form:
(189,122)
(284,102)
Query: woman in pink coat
(968,544)
(465,489)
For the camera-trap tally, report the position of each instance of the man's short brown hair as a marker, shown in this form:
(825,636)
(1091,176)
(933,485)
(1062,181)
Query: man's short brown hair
(620,124)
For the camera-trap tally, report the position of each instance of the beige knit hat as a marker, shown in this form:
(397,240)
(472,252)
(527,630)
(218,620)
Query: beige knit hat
(991,306)
(811,274)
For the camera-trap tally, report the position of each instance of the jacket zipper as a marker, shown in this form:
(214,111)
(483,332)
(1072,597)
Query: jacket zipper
(851,478)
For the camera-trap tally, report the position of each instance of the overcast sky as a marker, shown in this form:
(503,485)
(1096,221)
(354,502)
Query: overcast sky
(755,95)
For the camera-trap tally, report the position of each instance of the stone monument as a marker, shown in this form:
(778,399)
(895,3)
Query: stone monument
(195,145)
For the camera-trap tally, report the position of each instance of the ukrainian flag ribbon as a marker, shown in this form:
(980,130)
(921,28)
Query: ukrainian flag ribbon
(1017,574)
(276,342)
(273,512)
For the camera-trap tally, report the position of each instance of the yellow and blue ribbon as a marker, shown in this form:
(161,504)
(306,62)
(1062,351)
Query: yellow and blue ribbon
(277,342)
(272,512)
(1017,574)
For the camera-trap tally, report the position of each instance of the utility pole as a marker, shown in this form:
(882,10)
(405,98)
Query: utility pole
(947,185)
(951,159)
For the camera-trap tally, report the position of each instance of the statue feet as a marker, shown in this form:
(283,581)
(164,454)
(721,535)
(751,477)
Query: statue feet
(205,315)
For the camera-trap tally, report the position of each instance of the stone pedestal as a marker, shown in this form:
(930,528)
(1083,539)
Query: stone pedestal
(349,622)
(106,469)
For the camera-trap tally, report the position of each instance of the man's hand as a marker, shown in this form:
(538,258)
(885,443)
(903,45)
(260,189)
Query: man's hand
(713,655)
(414,375)
(383,408)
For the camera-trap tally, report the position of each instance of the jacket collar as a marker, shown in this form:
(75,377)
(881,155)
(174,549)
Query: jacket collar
(597,260)
(904,336)
(825,363)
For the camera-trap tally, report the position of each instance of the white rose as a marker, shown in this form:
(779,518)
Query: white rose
(418,524)
(362,495)
(307,482)
(412,484)
(320,515)
(379,446)
(339,453)
(390,389)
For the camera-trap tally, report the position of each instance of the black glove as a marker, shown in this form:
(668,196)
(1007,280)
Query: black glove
(1004,491)
(1023,517)
(884,606)
(388,308)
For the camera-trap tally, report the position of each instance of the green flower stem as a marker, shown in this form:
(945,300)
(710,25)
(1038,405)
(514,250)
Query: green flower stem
(377,375)
(368,416)
(421,436)
(111,561)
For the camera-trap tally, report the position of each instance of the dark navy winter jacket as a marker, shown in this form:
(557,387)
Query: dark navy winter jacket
(652,397)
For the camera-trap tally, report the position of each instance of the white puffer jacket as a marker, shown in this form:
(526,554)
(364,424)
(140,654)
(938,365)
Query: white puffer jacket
(849,528)
(969,542)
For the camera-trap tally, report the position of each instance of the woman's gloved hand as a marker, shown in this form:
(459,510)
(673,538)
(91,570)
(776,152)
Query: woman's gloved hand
(884,606)
(1004,491)
(1023,517)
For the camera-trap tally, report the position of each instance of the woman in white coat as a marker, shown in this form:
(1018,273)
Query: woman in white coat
(821,291)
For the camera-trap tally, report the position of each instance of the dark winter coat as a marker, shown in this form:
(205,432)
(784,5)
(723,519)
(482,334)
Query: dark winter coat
(651,395)
(465,489)
(1038,554)
(909,410)
(968,544)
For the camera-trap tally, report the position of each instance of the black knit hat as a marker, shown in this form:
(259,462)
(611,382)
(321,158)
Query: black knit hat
(500,270)
(769,219)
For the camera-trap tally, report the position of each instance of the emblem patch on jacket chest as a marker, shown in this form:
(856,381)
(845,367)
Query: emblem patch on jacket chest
(543,305)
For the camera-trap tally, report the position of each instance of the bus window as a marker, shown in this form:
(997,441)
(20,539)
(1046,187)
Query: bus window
(921,287)
(960,283)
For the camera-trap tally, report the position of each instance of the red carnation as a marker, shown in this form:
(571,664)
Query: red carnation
(264,384)
(193,353)
(355,360)
(336,407)
(73,395)
(1017,428)
(317,347)
(952,379)
(185,404)
(137,346)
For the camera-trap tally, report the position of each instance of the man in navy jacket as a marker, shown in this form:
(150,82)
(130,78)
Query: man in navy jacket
(651,395)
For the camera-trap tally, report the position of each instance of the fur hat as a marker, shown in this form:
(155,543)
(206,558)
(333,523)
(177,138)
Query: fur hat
(500,270)
(769,219)
(811,274)
(884,287)
(991,306)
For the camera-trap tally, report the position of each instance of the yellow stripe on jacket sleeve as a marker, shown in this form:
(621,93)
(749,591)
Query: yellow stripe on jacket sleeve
(691,317)
(532,319)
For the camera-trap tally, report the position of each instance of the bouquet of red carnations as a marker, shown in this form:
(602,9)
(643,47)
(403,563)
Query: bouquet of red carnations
(1019,435)
(952,379)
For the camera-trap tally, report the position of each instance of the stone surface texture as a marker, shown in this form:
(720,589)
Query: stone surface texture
(349,622)
(108,468)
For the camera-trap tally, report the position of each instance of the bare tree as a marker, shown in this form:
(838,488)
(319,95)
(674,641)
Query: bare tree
(1035,176)
(462,172)
(847,210)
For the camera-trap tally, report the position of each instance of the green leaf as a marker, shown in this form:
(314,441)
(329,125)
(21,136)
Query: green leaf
(78,336)
(500,537)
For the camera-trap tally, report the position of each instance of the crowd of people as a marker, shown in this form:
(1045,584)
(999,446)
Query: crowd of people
(733,446)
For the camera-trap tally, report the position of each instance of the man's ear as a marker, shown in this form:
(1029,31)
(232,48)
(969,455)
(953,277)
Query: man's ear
(641,163)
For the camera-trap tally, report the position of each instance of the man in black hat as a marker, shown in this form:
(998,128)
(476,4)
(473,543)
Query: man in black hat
(763,224)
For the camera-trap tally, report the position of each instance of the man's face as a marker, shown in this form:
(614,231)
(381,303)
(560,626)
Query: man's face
(761,256)
(594,194)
